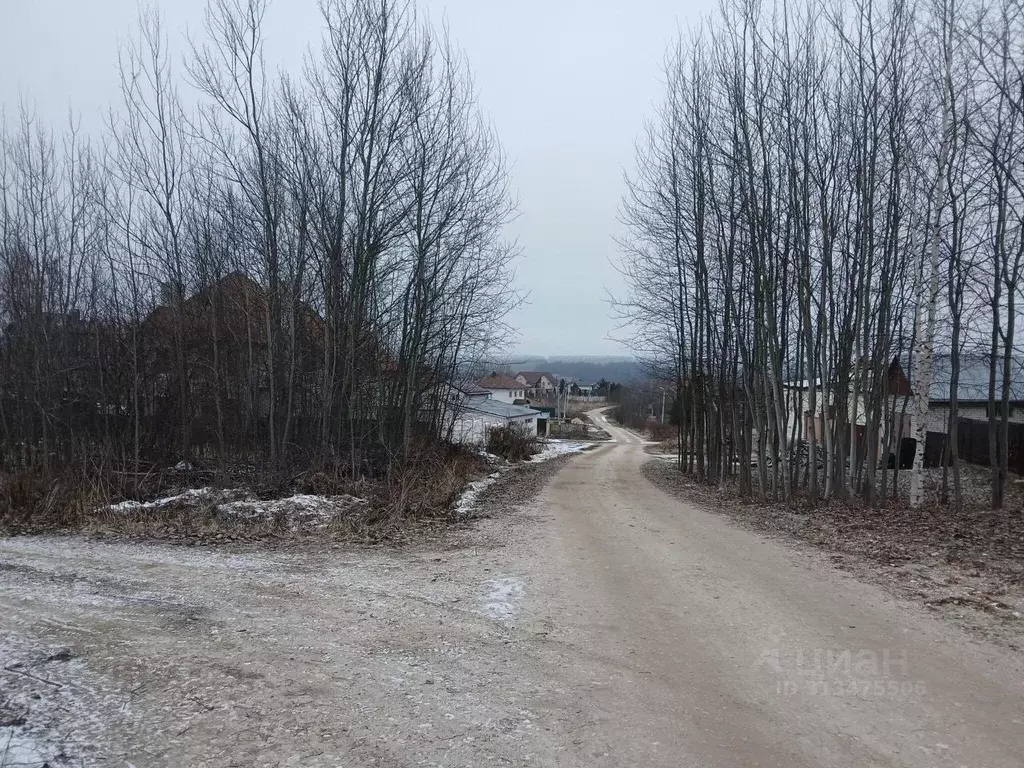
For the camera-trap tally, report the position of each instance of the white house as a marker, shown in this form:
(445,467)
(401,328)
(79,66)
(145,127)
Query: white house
(539,383)
(473,411)
(503,389)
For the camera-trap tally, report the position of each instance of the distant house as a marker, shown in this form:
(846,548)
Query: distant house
(972,399)
(537,383)
(503,389)
(475,410)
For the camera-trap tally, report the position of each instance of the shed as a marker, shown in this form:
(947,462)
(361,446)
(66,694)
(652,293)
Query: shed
(477,418)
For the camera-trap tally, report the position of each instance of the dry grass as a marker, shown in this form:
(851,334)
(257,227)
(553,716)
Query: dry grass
(29,502)
(661,432)
(184,525)
(425,487)
(577,408)
(569,431)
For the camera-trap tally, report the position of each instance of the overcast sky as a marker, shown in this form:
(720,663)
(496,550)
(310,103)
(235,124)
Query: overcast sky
(567,84)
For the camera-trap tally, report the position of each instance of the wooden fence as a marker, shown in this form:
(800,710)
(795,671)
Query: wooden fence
(972,445)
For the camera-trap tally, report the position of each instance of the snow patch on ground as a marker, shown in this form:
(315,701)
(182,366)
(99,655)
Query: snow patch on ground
(193,497)
(467,501)
(502,598)
(301,511)
(490,458)
(552,449)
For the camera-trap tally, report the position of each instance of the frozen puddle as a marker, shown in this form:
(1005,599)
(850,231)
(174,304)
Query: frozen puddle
(17,749)
(501,602)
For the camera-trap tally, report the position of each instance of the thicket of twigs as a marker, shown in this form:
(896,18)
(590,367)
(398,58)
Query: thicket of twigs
(512,443)
(829,188)
(425,487)
(267,274)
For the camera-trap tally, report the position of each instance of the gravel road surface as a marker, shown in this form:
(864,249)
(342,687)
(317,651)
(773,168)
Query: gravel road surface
(598,622)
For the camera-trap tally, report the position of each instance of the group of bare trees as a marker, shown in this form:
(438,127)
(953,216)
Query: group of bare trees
(255,267)
(830,195)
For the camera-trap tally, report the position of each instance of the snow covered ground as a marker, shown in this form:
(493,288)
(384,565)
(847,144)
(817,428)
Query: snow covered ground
(550,449)
(467,501)
(299,512)
(193,497)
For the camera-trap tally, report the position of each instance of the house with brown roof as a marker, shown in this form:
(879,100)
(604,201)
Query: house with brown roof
(503,389)
(224,332)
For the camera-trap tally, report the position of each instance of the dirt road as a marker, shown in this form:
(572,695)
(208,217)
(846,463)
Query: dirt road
(603,623)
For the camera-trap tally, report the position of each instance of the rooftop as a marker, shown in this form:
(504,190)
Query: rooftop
(505,410)
(499,381)
(533,377)
(470,388)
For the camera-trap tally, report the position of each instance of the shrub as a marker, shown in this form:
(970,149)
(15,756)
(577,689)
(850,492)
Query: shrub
(513,443)
(662,432)
(32,503)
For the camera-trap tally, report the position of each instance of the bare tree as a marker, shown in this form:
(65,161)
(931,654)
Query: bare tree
(816,176)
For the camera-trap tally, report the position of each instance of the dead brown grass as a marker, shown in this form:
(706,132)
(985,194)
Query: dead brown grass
(424,487)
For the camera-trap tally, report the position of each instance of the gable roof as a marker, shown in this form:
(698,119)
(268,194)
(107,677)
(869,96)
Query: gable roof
(504,410)
(243,302)
(533,377)
(470,388)
(499,381)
